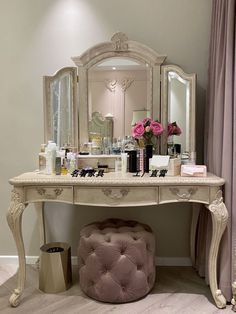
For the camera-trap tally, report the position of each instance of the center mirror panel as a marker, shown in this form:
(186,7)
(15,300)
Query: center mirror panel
(123,95)
(119,89)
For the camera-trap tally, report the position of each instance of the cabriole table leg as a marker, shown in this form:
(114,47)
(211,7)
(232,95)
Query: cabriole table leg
(219,216)
(14,219)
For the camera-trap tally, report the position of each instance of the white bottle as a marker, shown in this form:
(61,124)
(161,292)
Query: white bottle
(124,157)
(42,159)
(50,157)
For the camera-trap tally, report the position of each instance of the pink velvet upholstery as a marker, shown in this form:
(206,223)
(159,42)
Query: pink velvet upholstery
(116,260)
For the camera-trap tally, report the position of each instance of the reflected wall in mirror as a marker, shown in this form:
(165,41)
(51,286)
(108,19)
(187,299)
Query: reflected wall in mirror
(178,105)
(60,107)
(116,88)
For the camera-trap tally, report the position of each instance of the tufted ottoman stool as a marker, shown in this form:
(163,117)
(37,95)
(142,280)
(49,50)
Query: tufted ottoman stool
(116,260)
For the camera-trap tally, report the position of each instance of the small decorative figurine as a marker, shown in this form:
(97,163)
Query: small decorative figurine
(163,172)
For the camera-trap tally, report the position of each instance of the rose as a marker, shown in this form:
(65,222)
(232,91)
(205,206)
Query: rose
(138,130)
(173,129)
(156,128)
(177,130)
(170,129)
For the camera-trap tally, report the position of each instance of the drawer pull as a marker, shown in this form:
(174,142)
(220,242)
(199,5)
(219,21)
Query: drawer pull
(183,196)
(55,194)
(115,195)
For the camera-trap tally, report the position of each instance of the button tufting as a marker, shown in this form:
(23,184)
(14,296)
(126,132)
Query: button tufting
(120,240)
(122,251)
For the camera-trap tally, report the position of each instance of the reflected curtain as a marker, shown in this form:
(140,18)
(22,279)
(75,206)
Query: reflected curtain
(220,138)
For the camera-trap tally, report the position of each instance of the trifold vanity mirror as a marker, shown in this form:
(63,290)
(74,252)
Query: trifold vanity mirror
(116,84)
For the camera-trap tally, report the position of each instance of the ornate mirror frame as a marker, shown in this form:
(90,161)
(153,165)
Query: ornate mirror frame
(119,46)
(191,78)
(48,112)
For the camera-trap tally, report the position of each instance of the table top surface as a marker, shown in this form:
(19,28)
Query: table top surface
(113,179)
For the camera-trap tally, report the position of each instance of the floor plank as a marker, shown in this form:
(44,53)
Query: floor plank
(177,290)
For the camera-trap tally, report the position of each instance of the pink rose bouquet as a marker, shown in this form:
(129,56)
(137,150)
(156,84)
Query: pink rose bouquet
(147,129)
(173,129)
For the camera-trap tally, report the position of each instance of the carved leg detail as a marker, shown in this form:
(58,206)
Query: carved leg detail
(233,301)
(14,217)
(219,216)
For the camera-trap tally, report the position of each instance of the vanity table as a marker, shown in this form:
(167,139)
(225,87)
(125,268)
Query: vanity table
(115,190)
(114,82)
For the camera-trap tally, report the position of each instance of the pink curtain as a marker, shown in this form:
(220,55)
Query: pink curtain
(220,136)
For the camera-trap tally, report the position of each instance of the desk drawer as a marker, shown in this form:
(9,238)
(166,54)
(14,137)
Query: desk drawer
(116,196)
(184,194)
(52,193)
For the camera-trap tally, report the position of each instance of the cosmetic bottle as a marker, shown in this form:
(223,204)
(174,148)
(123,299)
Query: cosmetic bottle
(124,157)
(71,162)
(50,157)
(58,165)
(118,165)
(132,160)
(64,169)
(42,158)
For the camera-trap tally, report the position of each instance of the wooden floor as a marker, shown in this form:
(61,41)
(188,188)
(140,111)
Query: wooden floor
(177,290)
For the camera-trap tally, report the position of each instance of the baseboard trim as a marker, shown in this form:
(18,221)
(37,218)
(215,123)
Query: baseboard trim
(173,261)
(160,261)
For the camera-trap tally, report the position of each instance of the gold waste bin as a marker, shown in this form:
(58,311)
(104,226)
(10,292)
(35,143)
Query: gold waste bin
(55,267)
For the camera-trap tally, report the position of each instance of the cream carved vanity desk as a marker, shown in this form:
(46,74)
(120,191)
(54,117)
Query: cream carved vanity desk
(113,83)
(115,190)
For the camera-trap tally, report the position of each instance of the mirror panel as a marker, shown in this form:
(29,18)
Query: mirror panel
(122,48)
(116,88)
(178,105)
(60,107)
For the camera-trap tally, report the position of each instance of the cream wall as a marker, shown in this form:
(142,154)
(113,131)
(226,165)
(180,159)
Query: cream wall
(39,37)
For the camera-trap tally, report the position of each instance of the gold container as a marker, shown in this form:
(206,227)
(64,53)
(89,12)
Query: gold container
(55,267)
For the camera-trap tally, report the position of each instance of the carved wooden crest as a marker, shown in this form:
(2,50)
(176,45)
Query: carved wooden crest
(120,41)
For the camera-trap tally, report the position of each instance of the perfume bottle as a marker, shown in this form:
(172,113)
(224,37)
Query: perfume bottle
(64,169)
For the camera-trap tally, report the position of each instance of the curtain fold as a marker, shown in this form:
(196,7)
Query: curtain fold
(220,136)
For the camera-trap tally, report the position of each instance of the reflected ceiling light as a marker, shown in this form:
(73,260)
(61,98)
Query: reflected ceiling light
(113,68)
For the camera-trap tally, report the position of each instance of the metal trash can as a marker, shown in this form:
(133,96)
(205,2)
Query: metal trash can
(55,267)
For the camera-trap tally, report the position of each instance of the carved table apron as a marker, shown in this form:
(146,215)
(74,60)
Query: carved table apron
(116,190)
